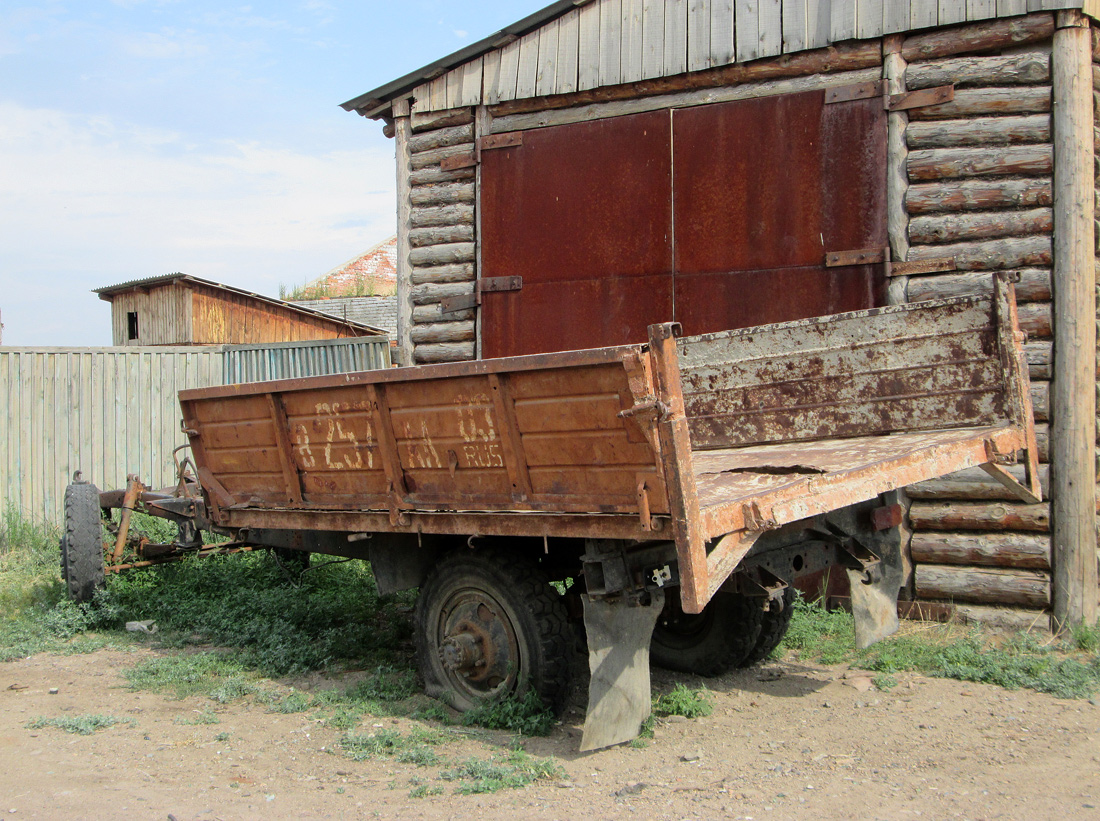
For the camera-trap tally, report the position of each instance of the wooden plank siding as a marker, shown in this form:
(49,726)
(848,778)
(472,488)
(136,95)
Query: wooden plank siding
(220,317)
(608,42)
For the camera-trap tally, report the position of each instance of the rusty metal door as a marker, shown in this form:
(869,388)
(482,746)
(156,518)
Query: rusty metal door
(764,189)
(583,214)
(717,216)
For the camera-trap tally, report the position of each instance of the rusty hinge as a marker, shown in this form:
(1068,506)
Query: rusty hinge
(891,102)
(452,304)
(508,139)
(865,256)
(881,256)
(920,98)
(859,91)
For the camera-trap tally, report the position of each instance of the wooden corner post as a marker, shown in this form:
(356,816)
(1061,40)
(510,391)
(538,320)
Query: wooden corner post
(402,127)
(1073,397)
(675,441)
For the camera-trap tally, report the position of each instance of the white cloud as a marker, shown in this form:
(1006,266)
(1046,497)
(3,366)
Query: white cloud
(163,45)
(90,203)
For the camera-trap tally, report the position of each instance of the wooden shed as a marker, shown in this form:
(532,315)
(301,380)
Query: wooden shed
(606,164)
(178,309)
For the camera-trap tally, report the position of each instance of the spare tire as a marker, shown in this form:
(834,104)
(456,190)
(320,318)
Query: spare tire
(82,543)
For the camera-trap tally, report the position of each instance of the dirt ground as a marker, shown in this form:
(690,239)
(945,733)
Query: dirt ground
(788,741)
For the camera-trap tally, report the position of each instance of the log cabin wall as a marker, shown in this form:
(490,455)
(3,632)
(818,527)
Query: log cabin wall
(439,241)
(979,191)
(971,180)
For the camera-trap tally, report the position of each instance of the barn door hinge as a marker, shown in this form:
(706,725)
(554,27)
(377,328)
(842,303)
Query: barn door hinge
(452,304)
(469,159)
(891,102)
(881,256)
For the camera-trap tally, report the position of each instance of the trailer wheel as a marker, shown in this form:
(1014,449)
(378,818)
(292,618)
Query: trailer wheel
(710,643)
(774,628)
(488,626)
(82,543)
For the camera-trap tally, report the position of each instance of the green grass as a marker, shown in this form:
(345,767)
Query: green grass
(684,701)
(512,771)
(525,715)
(80,725)
(414,747)
(35,614)
(1066,668)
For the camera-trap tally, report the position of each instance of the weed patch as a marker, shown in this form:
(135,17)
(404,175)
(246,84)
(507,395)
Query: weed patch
(513,771)
(413,747)
(684,701)
(80,725)
(525,715)
(1069,669)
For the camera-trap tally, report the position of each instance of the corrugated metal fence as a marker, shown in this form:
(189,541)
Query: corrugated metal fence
(289,360)
(109,412)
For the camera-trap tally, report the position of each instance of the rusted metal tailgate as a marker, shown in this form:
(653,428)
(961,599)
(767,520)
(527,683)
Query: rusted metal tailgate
(771,425)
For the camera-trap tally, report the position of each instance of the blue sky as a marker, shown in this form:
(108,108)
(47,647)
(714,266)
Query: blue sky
(143,137)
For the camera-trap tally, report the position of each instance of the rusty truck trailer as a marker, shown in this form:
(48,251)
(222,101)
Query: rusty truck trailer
(685,482)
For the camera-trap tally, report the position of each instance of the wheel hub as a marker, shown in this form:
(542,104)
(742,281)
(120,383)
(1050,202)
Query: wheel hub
(477,645)
(463,652)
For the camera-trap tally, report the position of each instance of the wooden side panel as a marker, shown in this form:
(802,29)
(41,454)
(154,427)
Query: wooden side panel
(855,374)
(546,439)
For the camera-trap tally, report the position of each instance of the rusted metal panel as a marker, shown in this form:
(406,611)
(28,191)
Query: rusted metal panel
(546,436)
(764,189)
(877,371)
(583,213)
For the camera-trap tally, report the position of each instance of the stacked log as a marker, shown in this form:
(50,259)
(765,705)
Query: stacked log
(980,191)
(441,236)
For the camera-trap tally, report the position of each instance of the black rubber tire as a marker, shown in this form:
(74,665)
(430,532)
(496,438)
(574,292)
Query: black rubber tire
(710,643)
(774,628)
(82,543)
(527,615)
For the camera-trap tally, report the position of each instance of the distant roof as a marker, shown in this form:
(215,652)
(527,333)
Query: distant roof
(110,291)
(576,45)
(377,262)
(379,311)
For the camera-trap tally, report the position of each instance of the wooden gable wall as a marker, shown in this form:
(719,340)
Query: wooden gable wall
(610,42)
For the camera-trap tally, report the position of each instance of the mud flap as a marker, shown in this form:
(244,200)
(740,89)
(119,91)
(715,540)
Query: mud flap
(619,700)
(875,602)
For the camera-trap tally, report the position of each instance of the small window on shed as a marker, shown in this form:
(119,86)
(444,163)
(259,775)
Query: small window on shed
(132,324)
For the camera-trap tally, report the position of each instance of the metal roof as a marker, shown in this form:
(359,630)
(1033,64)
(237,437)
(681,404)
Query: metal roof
(106,293)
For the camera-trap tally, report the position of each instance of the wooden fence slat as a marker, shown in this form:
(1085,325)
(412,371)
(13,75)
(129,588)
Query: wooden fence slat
(923,13)
(722,47)
(568,52)
(746,27)
(653,38)
(588,48)
(546,78)
(698,35)
(611,26)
